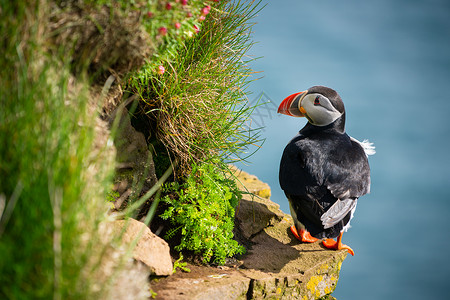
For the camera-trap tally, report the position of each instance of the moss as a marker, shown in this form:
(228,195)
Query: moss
(264,193)
(323,283)
(313,285)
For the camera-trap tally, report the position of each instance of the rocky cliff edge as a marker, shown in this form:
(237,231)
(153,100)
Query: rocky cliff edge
(276,265)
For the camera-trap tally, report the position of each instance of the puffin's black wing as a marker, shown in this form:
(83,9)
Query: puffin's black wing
(347,172)
(323,174)
(334,161)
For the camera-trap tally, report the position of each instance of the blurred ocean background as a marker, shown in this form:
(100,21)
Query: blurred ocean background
(390,62)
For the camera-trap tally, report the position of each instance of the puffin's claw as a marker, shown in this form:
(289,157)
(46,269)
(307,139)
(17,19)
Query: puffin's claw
(304,235)
(337,245)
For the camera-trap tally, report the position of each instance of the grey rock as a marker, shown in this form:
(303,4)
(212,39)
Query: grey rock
(134,160)
(150,249)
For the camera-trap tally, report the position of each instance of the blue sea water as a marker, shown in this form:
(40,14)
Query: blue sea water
(390,62)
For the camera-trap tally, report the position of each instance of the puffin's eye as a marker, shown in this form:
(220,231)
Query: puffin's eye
(316,101)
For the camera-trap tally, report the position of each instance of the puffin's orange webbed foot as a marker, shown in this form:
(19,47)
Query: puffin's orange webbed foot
(337,245)
(303,236)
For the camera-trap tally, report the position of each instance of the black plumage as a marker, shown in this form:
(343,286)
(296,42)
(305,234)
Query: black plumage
(322,166)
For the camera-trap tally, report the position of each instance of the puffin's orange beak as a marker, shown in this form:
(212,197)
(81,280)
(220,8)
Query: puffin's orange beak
(291,105)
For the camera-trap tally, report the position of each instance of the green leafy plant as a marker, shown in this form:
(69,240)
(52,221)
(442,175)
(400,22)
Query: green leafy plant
(112,196)
(202,210)
(167,23)
(179,264)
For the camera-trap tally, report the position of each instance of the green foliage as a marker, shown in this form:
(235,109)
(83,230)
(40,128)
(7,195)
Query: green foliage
(198,105)
(170,24)
(53,177)
(179,264)
(202,209)
(112,196)
(167,23)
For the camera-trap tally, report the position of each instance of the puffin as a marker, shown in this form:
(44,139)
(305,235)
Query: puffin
(323,171)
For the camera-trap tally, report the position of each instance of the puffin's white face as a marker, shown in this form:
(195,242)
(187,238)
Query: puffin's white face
(318,109)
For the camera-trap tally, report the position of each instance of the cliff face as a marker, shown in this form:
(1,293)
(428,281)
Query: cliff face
(276,266)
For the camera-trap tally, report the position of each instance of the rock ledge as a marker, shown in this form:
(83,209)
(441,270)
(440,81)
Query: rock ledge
(276,266)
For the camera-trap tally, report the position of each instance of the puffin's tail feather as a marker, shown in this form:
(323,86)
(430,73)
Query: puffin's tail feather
(368,147)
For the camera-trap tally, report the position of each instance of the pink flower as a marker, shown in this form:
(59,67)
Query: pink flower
(189,15)
(149,14)
(168,6)
(201,18)
(160,70)
(184,2)
(196,29)
(177,25)
(205,10)
(162,30)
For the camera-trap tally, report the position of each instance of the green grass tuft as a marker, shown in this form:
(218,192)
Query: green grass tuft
(199,106)
(55,177)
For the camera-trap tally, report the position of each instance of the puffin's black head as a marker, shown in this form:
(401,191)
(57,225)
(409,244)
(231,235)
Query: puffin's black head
(319,104)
